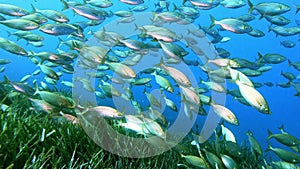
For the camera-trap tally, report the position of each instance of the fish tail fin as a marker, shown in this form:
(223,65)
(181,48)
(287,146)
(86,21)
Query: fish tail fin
(37,90)
(184,1)
(269,28)
(290,62)
(6,80)
(155,17)
(237,78)
(31,54)
(60,42)
(251,6)
(199,27)
(269,147)
(212,102)
(213,21)
(260,57)
(175,7)
(200,80)
(9,33)
(189,31)
(281,128)
(161,62)
(34,10)
(297,9)
(270,134)
(136,27)
(261,16)
(66,5)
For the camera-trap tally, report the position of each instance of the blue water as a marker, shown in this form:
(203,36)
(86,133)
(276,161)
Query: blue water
(283,104)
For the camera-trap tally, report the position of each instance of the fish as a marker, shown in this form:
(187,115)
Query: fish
(285,31)
(254,143)
(153,100)
(99,3)
(285,155)
(141,81)
(278,20)
(273,58)
(20,24)
(12,10)
(19,87)
(228,135)
(288,44)
(232,25)
(169,16)
(134,44)
(224,113)
(176,74)
(250,72)
(253,97)
(12,47)
(51,14)
(25,78)
(35,17)
(132,2)
(173,50)
(109,90)
(246,17)
(122,70)
(171,104)
(234,149)
(139,8)
(70,117)
(86,11)
(283,165)
(194,160)
(102,111)
(242,77)
(214,160)
(42,106)
(153,127)
(190,95)
(223,62)
(256,33)
(288,75)
(4,61)
(123,13)
(2,69)
(269,8)
(54,99)
(204,4)
(233,3)
(284,138)
(229,162)
(61,29)
(136,124)
(27,35)
(213,86)
(188,11)
(296,65)
(158,33)
(48,72)
(163,82)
